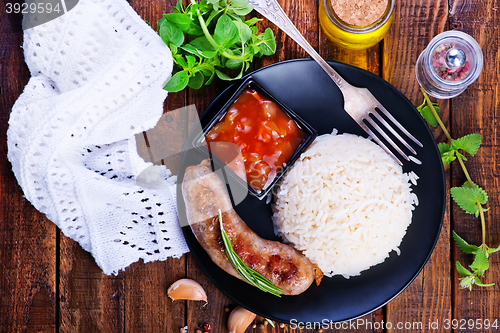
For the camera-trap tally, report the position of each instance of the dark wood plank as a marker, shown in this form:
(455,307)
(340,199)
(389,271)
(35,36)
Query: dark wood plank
(89,300)
(213,312)
(428,298)
(305,17)
(28,267)
(147,306)
(28,239)
(476,111)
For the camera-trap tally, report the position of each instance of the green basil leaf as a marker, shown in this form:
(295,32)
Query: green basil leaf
(252,21)
(196,81)
(212,15)
(193,8)
(173,49)
(177,82)
(222,76)
(226,77)
(207,72)
(171,34)
(239,3)
(179,59)
(234,64)
(160,22)
(214,3)
(234,17)
(182,21)
(189,48)
(257,51)
(194,29)
(210,79)
(244,31)
(204,47)
(191,61)
(267,42)
(242,11)
(202,44)
(179,6)
(225,32)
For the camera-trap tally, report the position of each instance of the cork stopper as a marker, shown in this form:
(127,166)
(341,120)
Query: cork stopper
(359,12)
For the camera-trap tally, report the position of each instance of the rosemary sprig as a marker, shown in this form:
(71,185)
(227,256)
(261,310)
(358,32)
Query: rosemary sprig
(250,275)
(270,322)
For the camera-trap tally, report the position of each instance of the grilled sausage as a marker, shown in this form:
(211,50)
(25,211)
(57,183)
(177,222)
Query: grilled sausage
(204,194)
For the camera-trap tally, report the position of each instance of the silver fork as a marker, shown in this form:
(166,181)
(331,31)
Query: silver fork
(359,103)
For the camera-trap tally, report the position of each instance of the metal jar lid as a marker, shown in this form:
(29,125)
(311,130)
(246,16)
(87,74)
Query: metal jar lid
(453,58)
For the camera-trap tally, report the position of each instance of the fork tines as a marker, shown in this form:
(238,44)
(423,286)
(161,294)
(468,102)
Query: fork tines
(376,126)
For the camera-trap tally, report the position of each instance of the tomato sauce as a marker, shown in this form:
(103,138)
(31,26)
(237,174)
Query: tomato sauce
(266,136)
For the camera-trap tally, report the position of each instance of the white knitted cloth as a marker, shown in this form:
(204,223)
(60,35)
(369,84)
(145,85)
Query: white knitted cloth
(97,78)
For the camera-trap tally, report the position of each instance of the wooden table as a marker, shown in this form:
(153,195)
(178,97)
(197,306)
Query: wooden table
(49,284)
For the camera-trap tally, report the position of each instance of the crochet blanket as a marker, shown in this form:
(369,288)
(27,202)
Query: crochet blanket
(97,77)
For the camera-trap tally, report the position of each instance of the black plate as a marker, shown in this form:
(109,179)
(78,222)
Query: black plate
(305,88)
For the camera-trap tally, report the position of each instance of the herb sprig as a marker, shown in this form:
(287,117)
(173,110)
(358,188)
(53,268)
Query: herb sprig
(210,38)
(250,275)
(470,197)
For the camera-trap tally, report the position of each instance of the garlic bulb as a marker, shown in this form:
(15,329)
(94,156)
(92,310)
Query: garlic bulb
(187,289)
(239,319)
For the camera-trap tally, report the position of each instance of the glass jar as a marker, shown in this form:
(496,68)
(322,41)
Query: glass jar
(449,64)
(350,36)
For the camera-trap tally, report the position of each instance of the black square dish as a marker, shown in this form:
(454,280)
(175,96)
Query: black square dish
(281,139)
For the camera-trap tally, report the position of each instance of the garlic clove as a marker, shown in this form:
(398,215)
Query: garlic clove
(239,319)
(187,289)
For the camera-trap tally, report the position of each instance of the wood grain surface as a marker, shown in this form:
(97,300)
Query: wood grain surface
(48,283)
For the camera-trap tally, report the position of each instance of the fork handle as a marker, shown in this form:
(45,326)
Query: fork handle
(272,11)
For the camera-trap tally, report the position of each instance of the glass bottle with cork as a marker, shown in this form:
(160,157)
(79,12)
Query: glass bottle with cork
(356,24)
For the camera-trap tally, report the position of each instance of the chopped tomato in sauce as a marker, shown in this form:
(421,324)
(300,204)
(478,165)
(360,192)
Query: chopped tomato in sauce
(267,137)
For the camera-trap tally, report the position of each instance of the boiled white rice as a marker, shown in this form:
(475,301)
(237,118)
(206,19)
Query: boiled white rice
(345,204)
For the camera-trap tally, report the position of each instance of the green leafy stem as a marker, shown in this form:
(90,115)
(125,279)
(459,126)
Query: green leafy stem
(470,197)
(211,38)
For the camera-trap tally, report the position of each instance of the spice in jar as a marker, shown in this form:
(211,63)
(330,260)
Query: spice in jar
(359,12)
(356,24)
(449,64)
(445,70)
